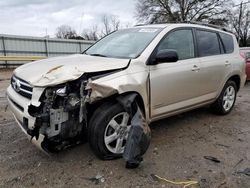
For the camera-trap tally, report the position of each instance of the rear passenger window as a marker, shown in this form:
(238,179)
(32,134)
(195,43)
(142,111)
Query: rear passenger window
(181,41)
(207,43)
(228,42)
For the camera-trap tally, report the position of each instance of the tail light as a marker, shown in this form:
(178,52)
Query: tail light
(243,55)
(248,57)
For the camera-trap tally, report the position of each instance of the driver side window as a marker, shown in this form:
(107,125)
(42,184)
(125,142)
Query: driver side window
(181,41)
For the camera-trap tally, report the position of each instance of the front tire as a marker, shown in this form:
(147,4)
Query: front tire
(108,130)
(225,103)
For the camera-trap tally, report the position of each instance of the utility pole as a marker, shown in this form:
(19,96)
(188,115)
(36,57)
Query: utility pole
(240,15)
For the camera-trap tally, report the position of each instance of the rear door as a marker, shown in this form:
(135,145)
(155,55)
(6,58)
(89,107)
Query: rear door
(216,62)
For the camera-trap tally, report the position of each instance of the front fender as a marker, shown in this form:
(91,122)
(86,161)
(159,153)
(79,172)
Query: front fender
(120,83)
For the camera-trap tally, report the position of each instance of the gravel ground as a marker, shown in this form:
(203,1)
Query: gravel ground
(177,152)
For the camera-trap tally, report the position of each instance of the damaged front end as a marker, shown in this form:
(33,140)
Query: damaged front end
(60,108)
(61,118)
(61,115)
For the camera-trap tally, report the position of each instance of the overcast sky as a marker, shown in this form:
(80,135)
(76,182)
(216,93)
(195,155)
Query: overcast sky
(33,17)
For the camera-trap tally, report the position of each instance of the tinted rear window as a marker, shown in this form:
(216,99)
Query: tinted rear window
(208,43)
(228,42)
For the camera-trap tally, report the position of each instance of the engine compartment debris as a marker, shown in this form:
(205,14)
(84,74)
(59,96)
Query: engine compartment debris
(97,179)
(61,116)
(214,159)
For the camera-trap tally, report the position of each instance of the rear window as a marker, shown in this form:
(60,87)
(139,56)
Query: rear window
(208,43)
(228,42)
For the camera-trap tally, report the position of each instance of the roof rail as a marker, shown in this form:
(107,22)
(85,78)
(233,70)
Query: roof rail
(210,25)
(196,22)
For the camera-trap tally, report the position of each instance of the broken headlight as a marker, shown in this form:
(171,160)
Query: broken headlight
(62,91)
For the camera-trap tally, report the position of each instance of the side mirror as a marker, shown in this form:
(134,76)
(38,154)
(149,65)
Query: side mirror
(167,56)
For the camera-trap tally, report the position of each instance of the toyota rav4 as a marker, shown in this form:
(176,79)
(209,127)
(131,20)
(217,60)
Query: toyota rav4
(172,68)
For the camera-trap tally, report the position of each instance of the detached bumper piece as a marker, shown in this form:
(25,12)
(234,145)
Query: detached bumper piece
(139,135)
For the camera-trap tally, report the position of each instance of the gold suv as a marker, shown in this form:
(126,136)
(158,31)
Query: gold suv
(171,68)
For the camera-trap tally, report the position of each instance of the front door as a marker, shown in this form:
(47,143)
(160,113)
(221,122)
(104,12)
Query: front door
(176,85)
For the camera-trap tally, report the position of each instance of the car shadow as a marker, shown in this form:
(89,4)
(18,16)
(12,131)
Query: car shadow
(174,122)
(178,121)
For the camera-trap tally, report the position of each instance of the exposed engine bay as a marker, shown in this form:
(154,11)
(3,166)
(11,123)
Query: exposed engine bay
(57,112)
(62,115)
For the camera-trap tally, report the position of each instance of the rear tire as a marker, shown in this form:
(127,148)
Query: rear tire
(225,103)
(108,130)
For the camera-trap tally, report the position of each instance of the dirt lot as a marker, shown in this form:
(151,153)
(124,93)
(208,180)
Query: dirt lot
(177,152)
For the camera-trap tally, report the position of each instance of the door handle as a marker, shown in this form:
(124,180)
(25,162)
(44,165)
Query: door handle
(195,68)
(227,63)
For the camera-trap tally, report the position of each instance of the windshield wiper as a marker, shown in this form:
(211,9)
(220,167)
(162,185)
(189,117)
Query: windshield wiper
(99,55)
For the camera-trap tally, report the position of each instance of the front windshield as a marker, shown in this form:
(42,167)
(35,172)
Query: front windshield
(127,43)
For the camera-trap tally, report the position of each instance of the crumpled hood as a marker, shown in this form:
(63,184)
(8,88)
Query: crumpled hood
(57,70)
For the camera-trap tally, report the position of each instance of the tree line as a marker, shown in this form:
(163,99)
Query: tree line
(109,24)
(224,13)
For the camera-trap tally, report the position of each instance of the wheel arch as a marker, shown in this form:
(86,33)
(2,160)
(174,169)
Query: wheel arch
(236,79)
(138,99)
(113,98)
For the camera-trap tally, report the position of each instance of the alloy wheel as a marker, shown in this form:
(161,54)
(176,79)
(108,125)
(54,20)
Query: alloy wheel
(116,133)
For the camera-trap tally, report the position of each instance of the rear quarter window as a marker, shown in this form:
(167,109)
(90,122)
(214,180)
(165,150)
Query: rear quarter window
(227,42)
